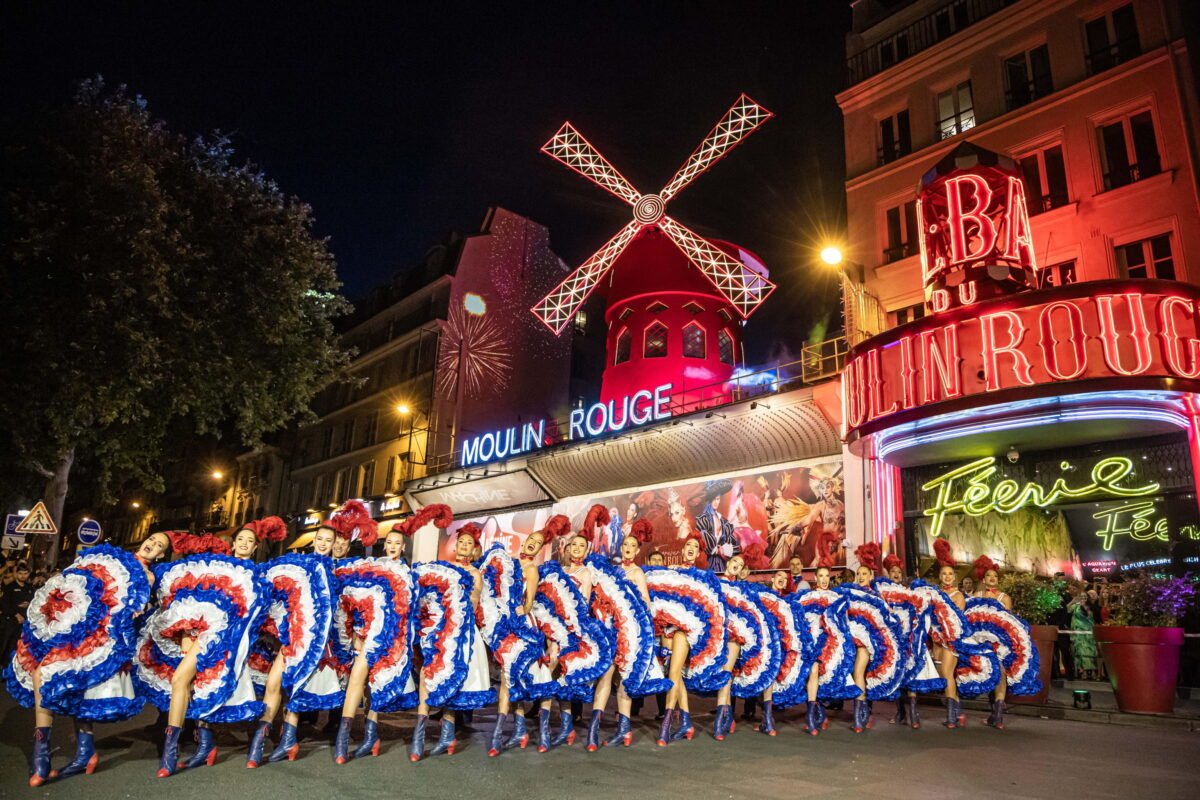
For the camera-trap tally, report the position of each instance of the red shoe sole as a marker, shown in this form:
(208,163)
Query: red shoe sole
(414,758)
(662,743)
(37,780)
(251,765)
(162,773)
(770,733)
(212,757)
(691,732)
(627,740)
(570,738)
(523,743)
(375,749)
(293,751)
(543,749)
(591,748)
(493,753)
(339,760)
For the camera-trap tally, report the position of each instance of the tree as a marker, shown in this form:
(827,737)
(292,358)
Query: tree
(152,287)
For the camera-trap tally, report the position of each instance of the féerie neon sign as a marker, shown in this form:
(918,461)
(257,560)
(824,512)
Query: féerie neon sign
(1135,520)
(637,409)
(965,489)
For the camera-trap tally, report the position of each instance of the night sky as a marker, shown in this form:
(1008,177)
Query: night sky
(401,122)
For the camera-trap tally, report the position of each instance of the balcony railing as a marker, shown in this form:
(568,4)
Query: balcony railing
(900,251)
(1047,202)
(1117,178)
(920,35)
(1116,53)
(890,152)
(1024,93)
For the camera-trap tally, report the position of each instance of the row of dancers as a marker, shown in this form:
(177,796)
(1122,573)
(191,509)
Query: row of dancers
(216,638)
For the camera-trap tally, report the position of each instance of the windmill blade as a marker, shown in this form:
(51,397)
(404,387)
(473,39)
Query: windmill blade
(742,286)
(569,147)
(557,308)
(742,119)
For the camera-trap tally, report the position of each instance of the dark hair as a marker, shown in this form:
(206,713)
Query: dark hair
(656,553)
(22,566)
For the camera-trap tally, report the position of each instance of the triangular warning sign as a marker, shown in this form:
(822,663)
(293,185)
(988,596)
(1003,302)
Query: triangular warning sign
(38,521)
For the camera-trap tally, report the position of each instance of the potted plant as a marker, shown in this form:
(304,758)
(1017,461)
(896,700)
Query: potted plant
(1142,642)
(1034,599)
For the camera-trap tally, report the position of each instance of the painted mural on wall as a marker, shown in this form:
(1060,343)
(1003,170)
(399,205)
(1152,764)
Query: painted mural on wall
(767,515)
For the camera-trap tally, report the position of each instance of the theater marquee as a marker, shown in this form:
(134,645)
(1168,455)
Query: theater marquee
(1066,340)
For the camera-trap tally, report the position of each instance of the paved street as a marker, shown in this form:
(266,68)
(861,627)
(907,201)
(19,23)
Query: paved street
(1033,758)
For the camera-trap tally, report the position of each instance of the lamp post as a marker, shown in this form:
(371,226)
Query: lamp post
(862,313)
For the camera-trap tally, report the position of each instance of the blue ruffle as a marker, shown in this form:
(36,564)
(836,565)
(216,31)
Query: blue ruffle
(469,701)
(302,701)
(457,654)
(798,691)
(881,645)
(638,683)
(766,639)
(319,570)
(714,676)
(1030,682)
(395,628)
(588,633)
(835,683)
(971,682)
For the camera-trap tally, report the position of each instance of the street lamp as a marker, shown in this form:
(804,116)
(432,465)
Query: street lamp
(217,476)
(403,409)
(135,504)
(831,255)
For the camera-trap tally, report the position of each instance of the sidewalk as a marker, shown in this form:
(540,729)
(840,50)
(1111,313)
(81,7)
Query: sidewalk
(1060,705)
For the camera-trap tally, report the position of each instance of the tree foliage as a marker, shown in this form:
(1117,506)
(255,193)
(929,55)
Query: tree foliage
(151,285)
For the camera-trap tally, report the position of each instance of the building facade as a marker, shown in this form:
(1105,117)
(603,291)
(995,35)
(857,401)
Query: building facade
(1065,128)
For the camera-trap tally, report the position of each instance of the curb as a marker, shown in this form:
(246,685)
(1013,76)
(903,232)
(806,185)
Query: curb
(1161,722)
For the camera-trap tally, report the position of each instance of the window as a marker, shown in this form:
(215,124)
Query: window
(693,342)
(657,308)
(1045,179)
(724,314)
(581,321)
(1129,150)
(894,138)
(625,314)
(624,340)
(955,111)
(370,429)
(909,313)
(1028,76)
(1059,274)
(725,345)
(693,308)
(1149,258)
(389,475)
(901,232)
(950,18)
(366,486)
(1111,39)
(327,442)
(656,341)
(318,497)
(347,437)
(341,486)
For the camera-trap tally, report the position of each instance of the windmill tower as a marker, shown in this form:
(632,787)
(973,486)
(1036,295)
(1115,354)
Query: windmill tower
(676,300)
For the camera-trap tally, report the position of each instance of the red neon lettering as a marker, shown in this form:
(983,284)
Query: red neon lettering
(926,267)
(908,372)
(992,349)
(1181,355)
(853,395)
(876,386)
(941,362)
(968,293)
(957,218)
(939,300)
(1018,244)
(1139,334)
(1074,336)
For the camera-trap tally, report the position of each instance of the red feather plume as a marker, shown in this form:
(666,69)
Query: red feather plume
(472,530)
(269,529)
(891,560)
(982,565)
(755,556)
(642,530)
(943,553)
(439,514)
(556,526)
(186,544)
(868,555)
(596,515)
(353,518)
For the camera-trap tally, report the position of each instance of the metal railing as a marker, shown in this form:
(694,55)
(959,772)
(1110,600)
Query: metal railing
(1116,53)
(920,35)
(1116,178)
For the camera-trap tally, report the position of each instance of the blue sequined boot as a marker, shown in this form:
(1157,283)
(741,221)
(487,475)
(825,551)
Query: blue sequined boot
(544,740)
(370,743)
(85,755)
(170,753)
(566,734)
(593,734)
(206,749)
(341,744)
(287,747)
(767,725)
(446,741)
(624,734)
(39,763)
(520,734)
(417,749)
(685,729)
(257,742)
(497,743)
(664,730)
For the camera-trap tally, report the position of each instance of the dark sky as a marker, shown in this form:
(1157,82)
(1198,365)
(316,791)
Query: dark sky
(400,122)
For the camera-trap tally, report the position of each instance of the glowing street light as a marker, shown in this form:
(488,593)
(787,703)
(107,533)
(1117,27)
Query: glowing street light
(831,256)
(403,409)
(135,504)
(217,476)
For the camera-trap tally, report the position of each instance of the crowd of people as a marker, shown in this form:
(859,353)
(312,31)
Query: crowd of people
(213,637)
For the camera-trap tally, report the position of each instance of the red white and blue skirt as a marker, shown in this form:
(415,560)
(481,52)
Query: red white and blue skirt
(217,601)
(749,625)
(875,629)
(517,645)
(298,621)
(564,616)
(79,634)
(913,613)
(947,624)
(691,601)
(617,603)
(1009,638)
(375,610)
(824,614)
(786,618)
(445,628)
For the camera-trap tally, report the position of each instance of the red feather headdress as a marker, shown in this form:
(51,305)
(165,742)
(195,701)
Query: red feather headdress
(702,559)
(440,515)
(269,529)
(943,553)
(472,530)
(642,530)
(596,515)
(186,544)
(556,526)
(755,556)
(891,560)
(982,565)
(353,518)
(868,555)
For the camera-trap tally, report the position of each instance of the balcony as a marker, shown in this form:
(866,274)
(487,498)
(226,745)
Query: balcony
(900,252)
(1117,53)
(922,34)
(891,152)
(1024,93)
(1132,173)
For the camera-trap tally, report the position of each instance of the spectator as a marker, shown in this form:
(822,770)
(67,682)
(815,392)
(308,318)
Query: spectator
(13,606)
(1064,659)
(1083,644)
(846,576)
(656,559)
(796,567)
(967,587)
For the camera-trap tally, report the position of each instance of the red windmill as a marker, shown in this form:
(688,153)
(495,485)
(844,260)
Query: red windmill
(675,299)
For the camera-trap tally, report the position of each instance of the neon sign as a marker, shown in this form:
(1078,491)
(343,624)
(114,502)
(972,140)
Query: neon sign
(637,409)
(1103,330)
(965,489)
(1135,520)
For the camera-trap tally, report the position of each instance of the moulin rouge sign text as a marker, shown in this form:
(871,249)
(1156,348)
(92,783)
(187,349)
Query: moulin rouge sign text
(1104,329)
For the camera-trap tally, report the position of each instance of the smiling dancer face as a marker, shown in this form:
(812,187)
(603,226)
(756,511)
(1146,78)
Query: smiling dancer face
(393,545)
(341,546)
(532,545)
(464,548)
(244,543)
(734,567)
(863,576)
(322,542)
(947,577)
(153,548)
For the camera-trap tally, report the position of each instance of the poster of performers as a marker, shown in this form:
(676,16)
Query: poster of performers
(768,516)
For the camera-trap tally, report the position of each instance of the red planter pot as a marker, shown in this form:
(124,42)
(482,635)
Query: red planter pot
(1143,664)
(1044,637)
